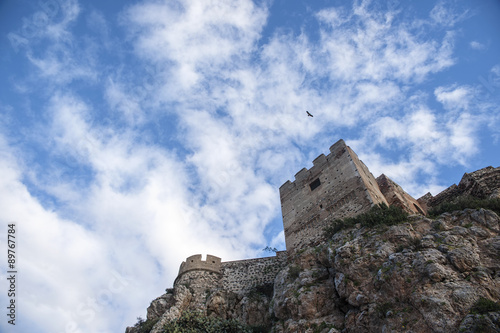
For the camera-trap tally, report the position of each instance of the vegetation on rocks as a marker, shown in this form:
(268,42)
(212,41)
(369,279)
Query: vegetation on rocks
(380,214)
(422,276)
(144,326)
(195,322)
(462,203)
(484,305)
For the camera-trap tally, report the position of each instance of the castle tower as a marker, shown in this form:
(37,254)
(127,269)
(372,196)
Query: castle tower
(199,276)
(337,186)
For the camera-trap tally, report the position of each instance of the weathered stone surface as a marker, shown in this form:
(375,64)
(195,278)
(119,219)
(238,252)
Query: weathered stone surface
(366,280)
(396,196)
(159,306)
(488,323)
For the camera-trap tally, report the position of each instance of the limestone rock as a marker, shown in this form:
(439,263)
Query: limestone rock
(489,323)
(420,276)
(159,306)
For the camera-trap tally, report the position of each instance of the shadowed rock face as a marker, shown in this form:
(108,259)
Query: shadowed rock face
(420,276)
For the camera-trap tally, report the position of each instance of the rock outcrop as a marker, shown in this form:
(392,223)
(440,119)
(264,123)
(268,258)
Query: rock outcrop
(483,183)
(420,276)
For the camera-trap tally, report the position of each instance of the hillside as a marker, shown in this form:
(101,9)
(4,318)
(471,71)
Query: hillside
(423,275)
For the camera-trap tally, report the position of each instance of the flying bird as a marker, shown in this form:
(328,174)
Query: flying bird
(308,114)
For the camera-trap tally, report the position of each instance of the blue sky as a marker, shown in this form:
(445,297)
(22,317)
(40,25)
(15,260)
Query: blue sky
(134,134)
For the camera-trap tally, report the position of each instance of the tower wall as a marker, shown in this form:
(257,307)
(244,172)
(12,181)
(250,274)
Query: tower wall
(337,186)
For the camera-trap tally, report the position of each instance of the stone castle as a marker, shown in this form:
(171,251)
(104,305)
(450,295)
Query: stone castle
(338,185)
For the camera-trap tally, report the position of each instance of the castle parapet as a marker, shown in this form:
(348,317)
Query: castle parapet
(194,262)
(320,160)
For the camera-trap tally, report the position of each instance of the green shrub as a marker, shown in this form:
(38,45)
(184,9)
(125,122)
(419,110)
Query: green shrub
(462,203)
(145,326)
(270,249)
(484,305)
(321,327)
(195,322)
(294,271)
(380,214)
(383,308)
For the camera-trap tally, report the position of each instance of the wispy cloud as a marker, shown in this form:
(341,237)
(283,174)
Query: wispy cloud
(448,13)
(455,98)
(477,45)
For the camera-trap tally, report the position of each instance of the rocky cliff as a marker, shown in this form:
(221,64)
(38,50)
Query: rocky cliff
(423,275)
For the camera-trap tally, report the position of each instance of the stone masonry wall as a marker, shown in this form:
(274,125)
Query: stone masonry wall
(242,275)
(369,181)
(236,276)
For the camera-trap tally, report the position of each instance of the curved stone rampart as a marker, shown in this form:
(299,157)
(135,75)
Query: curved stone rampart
(194,262)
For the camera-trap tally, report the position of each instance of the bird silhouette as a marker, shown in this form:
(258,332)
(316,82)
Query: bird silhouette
(308,114)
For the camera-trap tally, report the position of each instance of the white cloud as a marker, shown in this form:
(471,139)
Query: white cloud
(53,253)
(454,97)
(428,140)
(196,35)
(371,47)
(48,43)
(475,45)
(278,241)
(448,14)
(463,136)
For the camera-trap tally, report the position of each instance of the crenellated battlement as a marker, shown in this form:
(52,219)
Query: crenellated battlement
(194,262)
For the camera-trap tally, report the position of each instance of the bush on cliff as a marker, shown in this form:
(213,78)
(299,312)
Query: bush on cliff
(380,214)
(466,202)
(484,305)
(144,326)
(195,322)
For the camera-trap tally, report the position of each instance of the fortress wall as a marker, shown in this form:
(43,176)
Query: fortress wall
(332,188)
(242,275)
